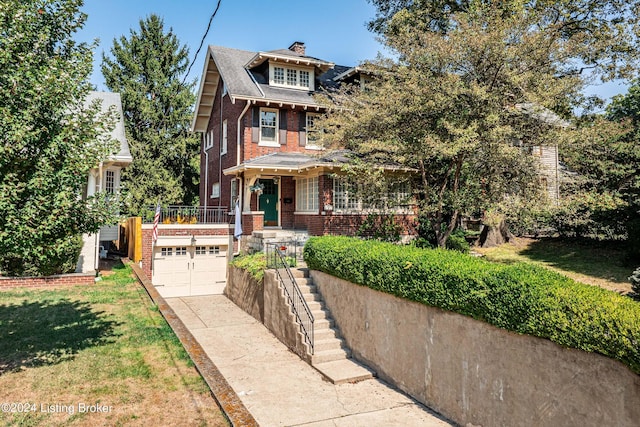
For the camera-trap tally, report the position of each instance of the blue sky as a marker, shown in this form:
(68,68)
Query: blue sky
(333,30)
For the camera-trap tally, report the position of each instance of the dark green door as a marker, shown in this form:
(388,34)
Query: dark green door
(268,202)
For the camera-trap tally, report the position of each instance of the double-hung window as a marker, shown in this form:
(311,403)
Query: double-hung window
(268,125)
(110,182)
(223,146)
(307,194)
(312,132)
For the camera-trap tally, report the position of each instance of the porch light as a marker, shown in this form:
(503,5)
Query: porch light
(275,179)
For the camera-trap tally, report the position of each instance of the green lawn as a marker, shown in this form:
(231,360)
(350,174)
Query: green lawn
(66,352)
(597,264)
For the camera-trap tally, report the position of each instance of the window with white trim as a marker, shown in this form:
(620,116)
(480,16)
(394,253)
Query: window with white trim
(110,181)
(345,195)
(223,146)
(268,125)
(215,190)
(291,76)
(214,250)
(201,250)
(208,140)
(278,75)
(307,194)
(304,78)
(234,192)
(349,196)
(311,132)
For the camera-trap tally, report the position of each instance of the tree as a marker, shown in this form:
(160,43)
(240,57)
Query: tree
(50,139)
(604,151)
(462,107)
(602,35)
(146,69)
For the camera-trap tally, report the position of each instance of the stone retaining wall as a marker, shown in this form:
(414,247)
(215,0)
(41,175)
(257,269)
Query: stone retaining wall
(476,374)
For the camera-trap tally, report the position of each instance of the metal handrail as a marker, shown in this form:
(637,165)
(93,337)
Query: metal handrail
(188,215)
(276,259)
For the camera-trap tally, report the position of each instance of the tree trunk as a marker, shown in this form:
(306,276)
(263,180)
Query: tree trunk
(494,236)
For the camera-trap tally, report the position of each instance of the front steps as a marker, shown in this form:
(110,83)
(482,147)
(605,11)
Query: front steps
(331,356)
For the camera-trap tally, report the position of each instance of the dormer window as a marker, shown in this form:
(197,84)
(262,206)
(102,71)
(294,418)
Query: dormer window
(291,76)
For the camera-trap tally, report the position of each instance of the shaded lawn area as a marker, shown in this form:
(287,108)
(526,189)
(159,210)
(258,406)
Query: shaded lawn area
(593,263)
(64,350)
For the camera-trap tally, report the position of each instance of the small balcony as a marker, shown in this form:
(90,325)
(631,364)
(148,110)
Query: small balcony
(186,215)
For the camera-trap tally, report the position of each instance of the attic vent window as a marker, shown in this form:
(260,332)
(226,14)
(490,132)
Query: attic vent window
(291,76)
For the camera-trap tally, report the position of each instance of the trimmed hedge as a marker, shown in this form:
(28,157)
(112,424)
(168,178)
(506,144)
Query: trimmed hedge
(519,297)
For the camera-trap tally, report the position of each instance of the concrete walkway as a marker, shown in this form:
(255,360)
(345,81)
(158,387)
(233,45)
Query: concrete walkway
(276,386)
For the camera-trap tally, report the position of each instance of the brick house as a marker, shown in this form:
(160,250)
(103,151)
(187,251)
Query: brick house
(255,112)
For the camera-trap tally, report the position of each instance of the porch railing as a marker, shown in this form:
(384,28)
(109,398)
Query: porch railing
(188,215)
(278,260)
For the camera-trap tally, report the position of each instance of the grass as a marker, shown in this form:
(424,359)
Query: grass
(63,350)
(594,264)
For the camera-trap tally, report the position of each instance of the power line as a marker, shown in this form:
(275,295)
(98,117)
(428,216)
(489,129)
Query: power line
(202,41)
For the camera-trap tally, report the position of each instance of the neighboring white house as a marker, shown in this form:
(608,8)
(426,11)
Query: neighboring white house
(105,177)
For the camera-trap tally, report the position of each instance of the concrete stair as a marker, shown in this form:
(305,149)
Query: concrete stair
(331,356)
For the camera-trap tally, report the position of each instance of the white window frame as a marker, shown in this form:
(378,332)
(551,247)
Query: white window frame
(269,142)
(278,74)
(287,81)
(208,140)
(309,129)
(215,190)
(346,197)
(110,181)
(234,192)
(225,138)
(307,194)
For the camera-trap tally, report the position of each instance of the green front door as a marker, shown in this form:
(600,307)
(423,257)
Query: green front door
(268,202)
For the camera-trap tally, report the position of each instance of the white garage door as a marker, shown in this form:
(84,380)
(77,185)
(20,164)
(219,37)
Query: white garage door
(189,270)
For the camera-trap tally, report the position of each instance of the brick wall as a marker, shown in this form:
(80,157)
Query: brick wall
(252,221)
(287,191)
(292,145)
(230,112)
(46,282)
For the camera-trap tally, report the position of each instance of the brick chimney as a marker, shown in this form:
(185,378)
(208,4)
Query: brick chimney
(298,47)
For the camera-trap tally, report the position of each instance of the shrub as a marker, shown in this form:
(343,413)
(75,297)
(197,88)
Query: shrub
(519,297)
(255,264)
(58,258)
(458,242)
(380,227)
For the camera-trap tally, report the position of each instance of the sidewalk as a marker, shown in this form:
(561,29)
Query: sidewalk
(276,386)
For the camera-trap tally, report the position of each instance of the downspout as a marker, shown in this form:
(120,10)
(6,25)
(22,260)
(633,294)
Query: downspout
(206,172)
(220,149)
(239,185)
(239,147)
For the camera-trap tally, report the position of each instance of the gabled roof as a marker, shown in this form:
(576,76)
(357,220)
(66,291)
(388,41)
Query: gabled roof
(289,56)
(234,67)
(112,99)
